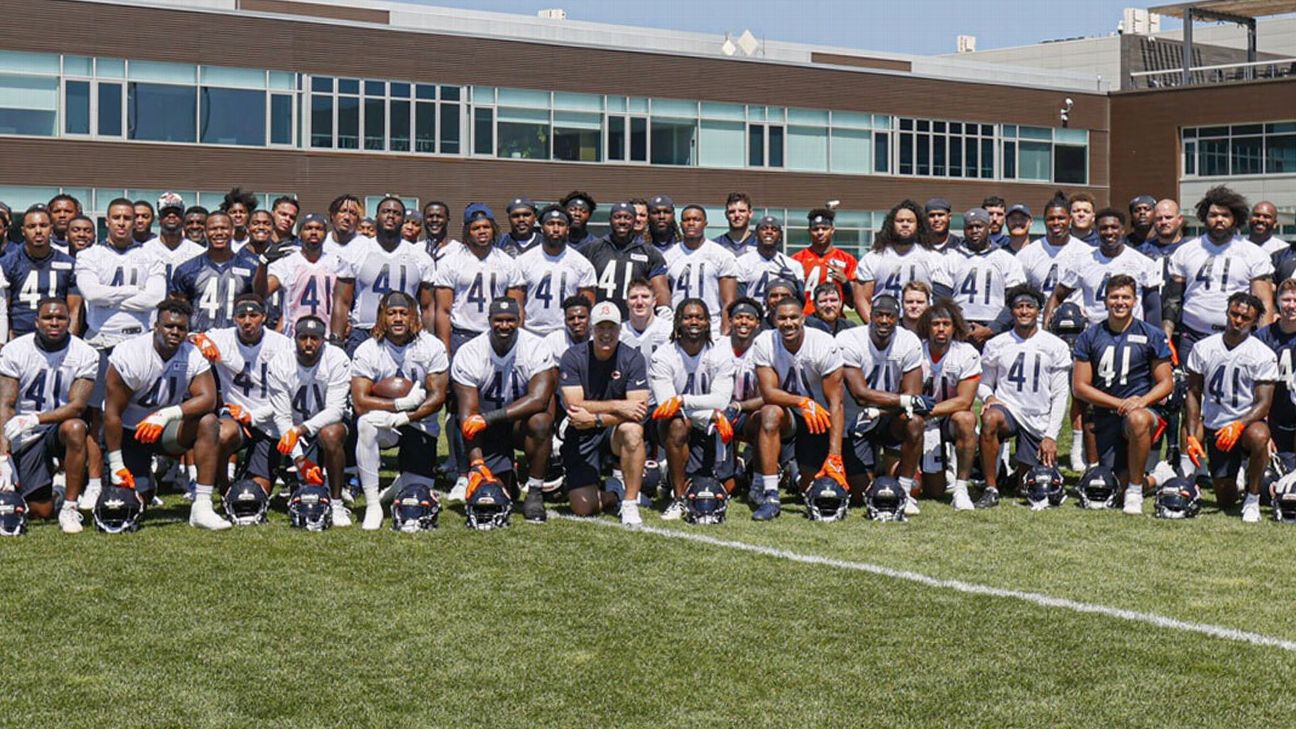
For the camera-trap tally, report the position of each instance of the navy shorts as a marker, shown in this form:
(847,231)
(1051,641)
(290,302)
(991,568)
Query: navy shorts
(418,452)
(263,458)
(138,458)
(498,445)
(707,454)
(355,338)
(1224,465)
(584,453)
(809,450)
(1283,435)
(35,461)
(1027,452)
(101,383)
(860,452)
(1187,338)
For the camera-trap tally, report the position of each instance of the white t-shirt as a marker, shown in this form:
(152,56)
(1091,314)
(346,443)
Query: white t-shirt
(120,288)
(1229,376)
(549,280)
(1089,273)
(1211,273)
(377,359)
(980,279)
(45,378)
(170,258)
(243,370)
(377,271)
(331,244)
(1042,263)
(475,282)
(756,271)
(891,270)
(647,341)
(696,272)
(558,343)
(745,386)
(705,381)
(941,378)
(800,372)
(155,384)
(500,380)
(1030,377)
(883,368)
(1271,245)
(314,396)
(307,287)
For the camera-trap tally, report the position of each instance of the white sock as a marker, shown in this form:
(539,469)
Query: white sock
(1252,499)
(961,485)
(1132,488)
(368,459)
(230,468)
(192,470)
(203,494)
(534,483)
(769,483)
(94,483)
(907,484)
(69,505)
(1077,440)
(618,475)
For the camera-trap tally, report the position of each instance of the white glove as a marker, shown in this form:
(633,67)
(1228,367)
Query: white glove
(384,419)
(164,416)
(411,401)
(7,474)
(18,425)
(665,312)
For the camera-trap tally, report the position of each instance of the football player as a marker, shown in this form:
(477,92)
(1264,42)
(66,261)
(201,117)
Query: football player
(979,273)
(144,216)
(883,374)
(692,382)
(1122,370)
(662,230)
(1089,274)
(997,212)
(238,204)
(35,271)
(195,228)
(522,235)
(1167,235)
(579,206)
(643,329)
(821,262)
(1260,228)
(745,321)
(915,297)
(63,209)
(1281,338)
(436,228)
(740,237)
(763,260)
(799,372)
(552,272)
(306,278)
(942,240)
(1081,207)
(828,314)
(1231,378)
(1044,260)
(81,234)
(158,380)
(604,387)
(285,210)
(470,277)
(211,281)
(900,254)
(398,348)
(621,257)
(373,267)
(504,382)
(702,269)
(45,382)
(1142,212)
(576,311)
(1024,390)
(1017,225)
(171,247)
(308,396)
(412,228)
(345,212)
(951,372)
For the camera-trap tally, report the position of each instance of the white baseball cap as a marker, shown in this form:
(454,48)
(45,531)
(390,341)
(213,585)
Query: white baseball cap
(605,311)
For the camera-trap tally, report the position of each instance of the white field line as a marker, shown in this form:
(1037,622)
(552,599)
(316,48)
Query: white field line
(970,588)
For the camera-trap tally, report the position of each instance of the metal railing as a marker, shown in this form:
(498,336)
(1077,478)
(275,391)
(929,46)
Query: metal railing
(1221,73)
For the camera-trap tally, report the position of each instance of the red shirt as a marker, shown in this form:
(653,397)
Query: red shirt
(816,267)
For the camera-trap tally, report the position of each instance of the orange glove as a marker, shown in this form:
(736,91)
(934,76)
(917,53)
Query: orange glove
(1227,437)
(1195,451)
(239,413)
(472,426)
(817,419)
(288,441)
(206,346)
(723,427)
(668,409)
(310,472)
(1174,353)
(124,478)
(150,429)
(833,468)
(478,474)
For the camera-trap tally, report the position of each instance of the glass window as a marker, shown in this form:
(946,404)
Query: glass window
(730,112)
(167,73)
(578,102)
(851,120)
(1248,155)
(450,93)
(400,90)
(674,107)
(110,110)
(673,140)
(807,117)
(1281,154)
(348,122)
(1038,133)
(1070,164)
(400,126)
(523,97)
(756,145)
(281,126)
(938,154)
(616,136)
(348,85)
(322,84)
(162,112)
(1010,160)
(78,66)
(881,152)
(375,122)
(283,81)
(578,137)
(483,94)
(29,62)
(775,146)
(807,148)
(615,104)
(110,68)
(1034,160)
(922,144)
(971,154)
(238,77)
(424,127)
(375,88)
(987,158)
(76,110)
(523,133)
(851,151)
(638,139)
(906,153)
(28,105)
(955,156)
(637,105)
(1190,158)
(723,144)
(233,116)
(450,135)
(321,121)
(425,91)
(483,130)
(1212,157)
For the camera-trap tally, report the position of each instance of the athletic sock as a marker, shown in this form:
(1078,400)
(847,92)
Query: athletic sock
(534,483)
(769,483)
(618,475)
(192,470)
(94,483)
(203,491)
(1252,499)
(960,485)
(907,484)
(1129,487)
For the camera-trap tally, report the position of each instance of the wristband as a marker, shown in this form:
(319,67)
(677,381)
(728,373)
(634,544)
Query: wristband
(115,461)
(172,412)
(494,417)
(598,420)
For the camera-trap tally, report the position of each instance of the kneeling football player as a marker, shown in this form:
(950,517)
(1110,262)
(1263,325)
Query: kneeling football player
(160,400)
(504,381)
(398,348)
(951,371)
(46,378)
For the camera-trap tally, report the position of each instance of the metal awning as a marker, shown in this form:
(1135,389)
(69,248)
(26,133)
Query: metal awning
(1241,12)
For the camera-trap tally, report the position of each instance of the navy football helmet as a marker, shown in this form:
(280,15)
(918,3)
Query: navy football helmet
(1069,322)
(1177,498)
(118,510)
(415,509)
(13,514)
(246,503)
(885,500)
(826,500)
(488,506)
(652,479)
(311,508)
(1097,488)
(705,501)
(1044,488)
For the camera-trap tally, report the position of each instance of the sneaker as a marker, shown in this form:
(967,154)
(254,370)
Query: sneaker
(963,502)
(341,515)
(460,491)
(157,501)
(203,516)
(989,498)
(1162,472)
(911,506)
(373,516)
(630,514)
(70,521)
(89,497)
(675,511)
(1134,501)
(767,511)
(533,508)
(1077,457)
(1251,510)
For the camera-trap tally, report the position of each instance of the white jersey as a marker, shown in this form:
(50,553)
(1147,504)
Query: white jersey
(171,258)
(941,378)
(475,282)
(307,287)
(1029,377)
(745,386)
(1229,376)
(800,372)
(377,359)
(45,378)
(980,279)
(658,333)
(155,383)
(755,271)
(696,272)
(890,269)
(243,370)
(705,381)
(500,379)
(558,343)
(1089,273)
(1211,273)
(331,244)
(314,396)
(1042,263)
(1271,245)
(377,271)
(883,368)
(120,288)
(549,280)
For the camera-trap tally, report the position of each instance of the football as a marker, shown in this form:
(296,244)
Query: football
(392,387)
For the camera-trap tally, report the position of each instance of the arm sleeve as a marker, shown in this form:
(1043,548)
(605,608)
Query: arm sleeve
(280,396)
(1152,305)
(660,380)
(721,392)
(100,294)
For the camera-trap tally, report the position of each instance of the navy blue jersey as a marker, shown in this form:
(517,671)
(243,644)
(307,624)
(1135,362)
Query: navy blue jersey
(999,240)
(738,247)
(1122,363)
(517,246)
(580,240)
(1284,262)
(1091,237)
(616,266)
(31,280)
(211,287)
(1284,345)
(625,372)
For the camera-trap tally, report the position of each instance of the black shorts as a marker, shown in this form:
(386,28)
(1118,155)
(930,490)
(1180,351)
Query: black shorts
(1186,338)
(707,454)
(357,337)
(809,450)
(498,445)
(1283,435)
(1109,433)
(860,452)
(584,453)
(418,452)
(1027,452)
(1224,465)
(138,458)
(263,458)
(35,462)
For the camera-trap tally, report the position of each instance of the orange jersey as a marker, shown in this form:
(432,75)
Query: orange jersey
(816,267)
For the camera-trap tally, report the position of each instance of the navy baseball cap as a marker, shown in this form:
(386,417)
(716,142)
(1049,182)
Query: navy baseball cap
(519,203)
(622,207)
(769,221)
(1019,208)
(661,201)
(937,203)
(1142,200)
(478,210)
(977,215)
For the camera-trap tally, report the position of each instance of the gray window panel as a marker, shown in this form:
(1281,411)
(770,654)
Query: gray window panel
(375,123)
(348,122)
(425,127)
(161,112)
(76,109)
(400,125)
(321,121)
(450,137)
(673,141)
(281,126)
(233,116)
(110,110)
(1281,154)
(29,104)
(1248,155)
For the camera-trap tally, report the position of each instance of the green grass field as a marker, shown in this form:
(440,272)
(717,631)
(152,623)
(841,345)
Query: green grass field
(575,623)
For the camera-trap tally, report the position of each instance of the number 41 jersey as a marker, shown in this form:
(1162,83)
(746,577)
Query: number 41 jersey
(45,378)
(313,396)
(475,281)
(155,383)
(499,380)
(1229,376)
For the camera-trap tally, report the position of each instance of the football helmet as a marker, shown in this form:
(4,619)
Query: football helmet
(885,500)
(117,510)
(1044,487)
(311,508)
(1177,498)
(1283,498)
(488,506)
(826,500)
(13,514)
(246,503)
(1097,488)
(415,509)
(652,479)
(705,501)
(1069,322)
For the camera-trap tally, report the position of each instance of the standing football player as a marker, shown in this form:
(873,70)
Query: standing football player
(34,271)
(821,262)
(763,260)
(553,272)
(980,272)
(1090,273)
(621,257)
(740,237)
(900,254)
(643,329)
(1281,338)
(702,269)
(211,281)
(522,235)
(306,278)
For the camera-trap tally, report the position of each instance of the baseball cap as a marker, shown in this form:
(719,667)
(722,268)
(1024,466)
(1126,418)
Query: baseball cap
(888,303)
(1019,208)
(937,203)
(977,215)
(622,207)
(504,305)
(478,210)
(605,311)
(661,201)
(519,203)
(769,221)
(1142,200)
(170,200)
